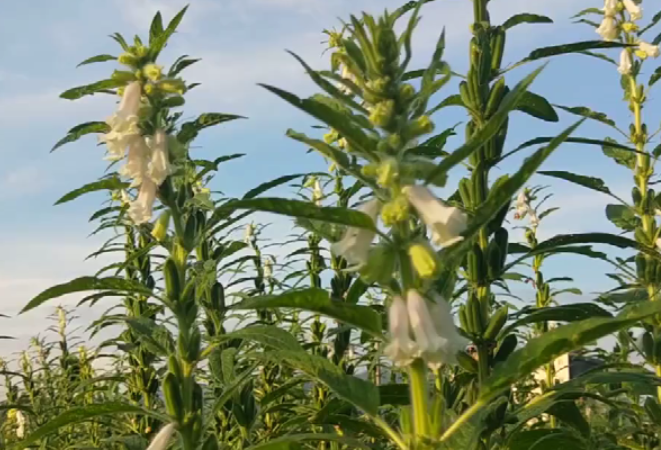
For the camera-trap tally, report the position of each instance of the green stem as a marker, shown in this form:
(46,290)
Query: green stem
(419,397)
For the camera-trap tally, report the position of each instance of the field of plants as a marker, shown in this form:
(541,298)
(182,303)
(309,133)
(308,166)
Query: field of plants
(386,317)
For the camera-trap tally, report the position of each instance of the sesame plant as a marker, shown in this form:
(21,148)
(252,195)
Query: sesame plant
(391,315)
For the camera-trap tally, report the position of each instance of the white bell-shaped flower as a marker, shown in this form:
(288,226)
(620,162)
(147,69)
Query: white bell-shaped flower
(268,268)
(137,161)
(401,349)
(347,75)
(162,439)
(433,328)
(159,166)
(608,29)
(521,206)
(446,222)
(650,50)
(634,10)
(626,62)
(356,242)
(123,124)
(317,192)
(142,208)
(610,7)
(20,425)
(249,233)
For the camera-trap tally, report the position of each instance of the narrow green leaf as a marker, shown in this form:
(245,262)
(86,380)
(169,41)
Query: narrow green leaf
(296,208)
(656,19)
(158,42)
(267,335)
(113,183)
(84,284)
(564,49)
(485,133)
(564,313)
(537,106)
(190,130)
(574,140)
(254,192)
(83,414)
(622,217)
(292,441)
(81,130)
(596,184)
(588,11)
(156,28)
(624,156)
(525,18)
(319,301)
(588,113)
(98,58)
(546,348)
(90,89)
(656,76)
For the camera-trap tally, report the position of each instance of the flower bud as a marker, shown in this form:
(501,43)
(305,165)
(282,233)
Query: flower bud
(395,211)
(629,27)
(369,170)
(424,260)
(406,91)
(387,172)
(160,230)
(331,137)
(127,59)
(150,89)
(382,114)
(153,72)
(418,127)
(172,86)
(123,76)
(141,51)
(395,141)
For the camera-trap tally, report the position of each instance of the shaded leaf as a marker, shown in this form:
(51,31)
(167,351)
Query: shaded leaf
(81,130)
(622,217)
(537,106)
(90,89)
(525,18)
(112,184)
(190,130)
(98,58)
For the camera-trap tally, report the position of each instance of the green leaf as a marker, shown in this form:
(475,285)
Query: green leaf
(190,130)
(157,337)
(84,284)
(254,192)
(588,113)
(229,390)
(565,313)
(596,184)
(268,335)
(319,301)
(564,49)
(622,217)
(537,106)
(98,58)
(588,11)
(525,18)
(90,89)
(360,393)
(453,100)
(599,56)
(156,28)
(157,44)
(286,442)
(656,19)
(544,439)
(573,140)
(181,65)
(296,208)
(83,414)
(546,348)
(81,130)
(106,184)
(629,296)
(625,157)
(394,394)
(335,119)
(656,76)
(485,133)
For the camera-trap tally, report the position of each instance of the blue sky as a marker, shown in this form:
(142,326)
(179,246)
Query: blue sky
(242,42)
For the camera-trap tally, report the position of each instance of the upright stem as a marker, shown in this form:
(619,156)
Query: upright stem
(419,397)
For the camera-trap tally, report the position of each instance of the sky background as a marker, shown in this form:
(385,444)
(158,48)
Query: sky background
(243,42)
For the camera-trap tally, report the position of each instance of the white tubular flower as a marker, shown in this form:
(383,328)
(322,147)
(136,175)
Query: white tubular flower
(401,349)
(436,336)
(20,425)
(142,208)
(441,315)
(137,161)
(159,166)
(608,29)
(249,234)
(634,10)
(650,50)
(626,63)
(162,439)
(123,124)
(521,206)
(356,242)
(446,222)
(658,244)
(610,7)
(268,268)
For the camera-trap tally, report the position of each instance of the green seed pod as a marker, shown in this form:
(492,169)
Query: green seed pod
(217,297)
(172,281)
(506,348)
(174,404)
(475,312)
(650,269)
(474,89)
(464,320)
(190,233)
(198,397)
(637,197)
(653,410)
(174,367)
(497,48)
(174,101)
(467,363)
(480,264)
(194,345)
(494,260)
(465,95)
(496,323)
(405,420)
(465,193)
(123,76)
(641,264)
(495,97)
(501,238)
(648,347)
